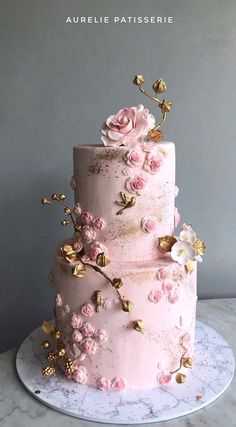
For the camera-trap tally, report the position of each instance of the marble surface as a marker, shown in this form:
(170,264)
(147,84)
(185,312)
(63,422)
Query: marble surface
(210,376)
(19,409)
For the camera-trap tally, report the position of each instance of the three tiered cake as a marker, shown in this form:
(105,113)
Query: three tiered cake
(125,284)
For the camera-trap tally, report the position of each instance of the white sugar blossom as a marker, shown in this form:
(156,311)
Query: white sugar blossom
(182,252)
(187,234)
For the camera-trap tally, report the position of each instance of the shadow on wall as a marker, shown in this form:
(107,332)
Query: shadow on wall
(26,293)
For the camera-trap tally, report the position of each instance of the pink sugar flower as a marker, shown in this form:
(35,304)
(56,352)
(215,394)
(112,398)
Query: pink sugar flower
(134,158)
(101,335)
(153,162)
(136,184)
(96,249)
(98,224)
(163,273)
(75,321)
(173,297)
(58,300)
(87,310)
(103,384)
(155,295)
(148,224)
(88,346)
(80,375)
(87,329)
(167,286)
(86,218)
(118,384)
(77,336)
(127,127)
(88,233)
(77,210)
(77,244)
(164,378)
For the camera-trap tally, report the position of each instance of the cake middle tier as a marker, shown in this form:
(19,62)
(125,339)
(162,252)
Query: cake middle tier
(132,191)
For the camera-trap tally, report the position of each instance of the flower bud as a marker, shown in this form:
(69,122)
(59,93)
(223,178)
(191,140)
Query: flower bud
(138,80)
(159,86)
(138,325)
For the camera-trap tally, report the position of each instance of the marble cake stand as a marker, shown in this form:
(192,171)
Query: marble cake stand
(209,378)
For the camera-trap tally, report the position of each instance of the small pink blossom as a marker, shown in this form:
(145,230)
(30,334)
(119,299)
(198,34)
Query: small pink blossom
(106,305)
(177,217)
(87,310)
(101,335)
(88,346)
(75,321)
(148,146)
(86,218)
(164,378)
(73,183)
(96,249)
(77,244)
(134,158)
(163,273)
(88,233)
(173,297)
(153,162)
(167,286)
(87,329)
(136,184)
(77,210)
(155,295)
(80,375)
(127,127)
(77,336)
(118,384)
(58,300)
(103,384)
(148,224)
(98,224)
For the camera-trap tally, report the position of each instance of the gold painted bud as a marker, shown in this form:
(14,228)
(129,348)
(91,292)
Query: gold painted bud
(47,327)
(155,135)
(67,211)
(68,253)
(51,356)
(102,260)
(117,282)
(180,378)
(57,334)
(45,345)
(187,362)
(138,325)
(138,80)
(61,352)
(199,246)
(65,222)
(55,196)
(97,300)
(45,202)
(159,86)
(127,305)
(62,196)
(165,106)
(77,227)
(166,243)
(189,266)
(79,270)
(48,371)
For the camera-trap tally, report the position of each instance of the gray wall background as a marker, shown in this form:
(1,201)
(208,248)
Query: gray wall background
(60,81)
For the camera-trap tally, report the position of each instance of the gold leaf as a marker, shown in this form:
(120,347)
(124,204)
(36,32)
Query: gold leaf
(165,106)
(127,305)
(138,325)
(138,80)
(102,260)
(199,246)
(189,266)
(187,362)
(159,86)
(79,270)
(180,378)
(47,327)
(123,197)
(155,135)
(68,253)
(166,243)
(117,282)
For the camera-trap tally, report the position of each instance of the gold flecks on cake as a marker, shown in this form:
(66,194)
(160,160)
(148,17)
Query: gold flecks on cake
(180,378)
(138,325)
(108,154)
(49,371)
(128,228)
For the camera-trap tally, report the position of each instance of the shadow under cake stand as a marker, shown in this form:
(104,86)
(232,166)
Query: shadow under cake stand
(205,382)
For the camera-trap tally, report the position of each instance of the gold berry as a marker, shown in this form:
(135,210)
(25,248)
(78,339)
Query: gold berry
(180,378)
(61,352)
(45,345)
(57,334)
(62,196)
(48,371)
(51,356)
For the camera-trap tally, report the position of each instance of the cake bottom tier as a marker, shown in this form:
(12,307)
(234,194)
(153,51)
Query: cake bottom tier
(112,349)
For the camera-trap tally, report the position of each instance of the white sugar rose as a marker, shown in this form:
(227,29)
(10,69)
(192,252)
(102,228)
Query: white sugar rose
(127,127)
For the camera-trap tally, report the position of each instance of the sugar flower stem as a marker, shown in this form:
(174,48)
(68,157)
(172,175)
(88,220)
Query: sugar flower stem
(164,114)
(181,359)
